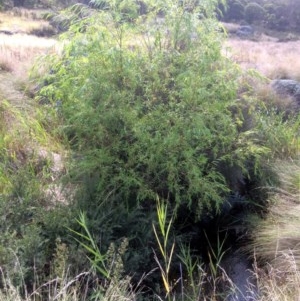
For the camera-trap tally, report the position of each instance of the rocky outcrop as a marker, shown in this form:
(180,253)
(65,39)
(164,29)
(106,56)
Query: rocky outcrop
(287,87)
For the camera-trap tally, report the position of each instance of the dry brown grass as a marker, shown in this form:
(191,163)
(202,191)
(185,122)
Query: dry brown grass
(282,103)
(278,284)
(276,238)
(17,52)
(279,233)
(17,48)
(21,21)
(273,59)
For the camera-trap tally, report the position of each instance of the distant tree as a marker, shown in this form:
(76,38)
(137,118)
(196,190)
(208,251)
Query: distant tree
(283,15)
(280,14)
(235,11)
(254,12)
(18,3)
(294,14)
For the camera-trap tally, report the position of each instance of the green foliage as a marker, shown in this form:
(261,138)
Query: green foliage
(284,15)
(216,255)
(146,106)
(29,223)
(122,10)
(280,135)
(149,108)
(97,259)
(25,236)
(109,265)
(62,19)
(162,238)
(193,274)
(142,115)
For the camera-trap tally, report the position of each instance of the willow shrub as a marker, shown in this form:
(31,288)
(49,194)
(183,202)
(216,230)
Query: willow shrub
(145,103)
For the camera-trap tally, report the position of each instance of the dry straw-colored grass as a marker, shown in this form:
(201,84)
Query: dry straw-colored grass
(279,233)
(273,59)
(18,51)
(278,284)
(276,238)
(21,21)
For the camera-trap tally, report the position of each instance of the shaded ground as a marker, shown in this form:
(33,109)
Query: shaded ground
(239,270)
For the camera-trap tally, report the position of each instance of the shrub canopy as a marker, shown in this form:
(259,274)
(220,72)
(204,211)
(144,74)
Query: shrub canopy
(145,103)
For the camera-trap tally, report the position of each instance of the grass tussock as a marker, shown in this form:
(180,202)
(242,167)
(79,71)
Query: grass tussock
(5,65)
(279,233)
(276,238)
(273,59)
(279,283)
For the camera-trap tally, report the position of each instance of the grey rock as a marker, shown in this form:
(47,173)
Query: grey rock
(287,87)
(245,31)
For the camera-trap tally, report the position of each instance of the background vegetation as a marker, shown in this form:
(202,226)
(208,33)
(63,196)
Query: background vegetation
(276,15)
(281,15)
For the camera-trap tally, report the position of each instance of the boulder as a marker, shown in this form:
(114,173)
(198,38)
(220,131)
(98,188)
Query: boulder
(287,87)
(245,31)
